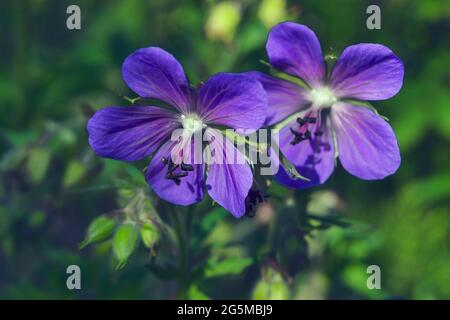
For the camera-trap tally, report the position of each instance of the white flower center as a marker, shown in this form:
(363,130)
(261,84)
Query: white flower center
(191,123)
(322,97)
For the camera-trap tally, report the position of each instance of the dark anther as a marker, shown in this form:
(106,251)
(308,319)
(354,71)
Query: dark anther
(301,121)
(318,133)
(299,137)
(181,175)
(305,120)
(186,167)
(170,165)
(254,198)
(171,168)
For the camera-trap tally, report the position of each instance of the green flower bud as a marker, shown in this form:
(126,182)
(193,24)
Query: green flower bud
(124,243)
(99,229)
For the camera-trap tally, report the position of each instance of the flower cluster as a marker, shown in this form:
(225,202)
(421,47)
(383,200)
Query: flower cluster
(323,118)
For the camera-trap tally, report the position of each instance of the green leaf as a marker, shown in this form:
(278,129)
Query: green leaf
(149,234)
(212,218)
(37,164)
(272,12)
(430,190)
(229,266)
(36,218)
(194,293)
(74,172)
(220,235)
(271,287)
(99,229)
(223,21)
(124,243)
(355,276)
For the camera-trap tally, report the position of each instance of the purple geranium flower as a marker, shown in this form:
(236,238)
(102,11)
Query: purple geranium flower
(132,133)
(328,118)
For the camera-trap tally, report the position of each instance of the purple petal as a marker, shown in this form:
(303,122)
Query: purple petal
(230,177)
(129,133)
(295,49)
(367,144)
(154,73)
(313,158)
(367,72)
(191,187)
(283,97)
(233,100)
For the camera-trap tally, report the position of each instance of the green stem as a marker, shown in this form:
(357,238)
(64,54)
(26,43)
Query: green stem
(183,279)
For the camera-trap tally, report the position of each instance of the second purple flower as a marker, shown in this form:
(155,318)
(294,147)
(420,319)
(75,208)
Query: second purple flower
(328,118)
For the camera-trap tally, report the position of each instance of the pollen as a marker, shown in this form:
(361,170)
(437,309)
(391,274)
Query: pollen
(191,123)
(322,97)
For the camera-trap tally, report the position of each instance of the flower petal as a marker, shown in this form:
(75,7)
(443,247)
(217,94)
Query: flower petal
(367,72)
(283,97)
(233,100)
(367,144)
(230,177)
(129,133)
(313,158)
(191,187)
(294,48)
(155,73)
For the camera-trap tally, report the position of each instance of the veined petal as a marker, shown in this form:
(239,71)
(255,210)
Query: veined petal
(313,158)
(190,188)
(155,73)
(233,100)
(367,72)
(367,144)
(294,48)
(230,177)
(130,133)
(283,97)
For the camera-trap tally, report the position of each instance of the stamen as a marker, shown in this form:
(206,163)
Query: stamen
(316,130)
(299,137)
(302,121)
(186,167)
(176,176)
(181,174)
(254,198)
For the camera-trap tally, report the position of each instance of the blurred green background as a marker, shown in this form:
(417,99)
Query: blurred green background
(313,244)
